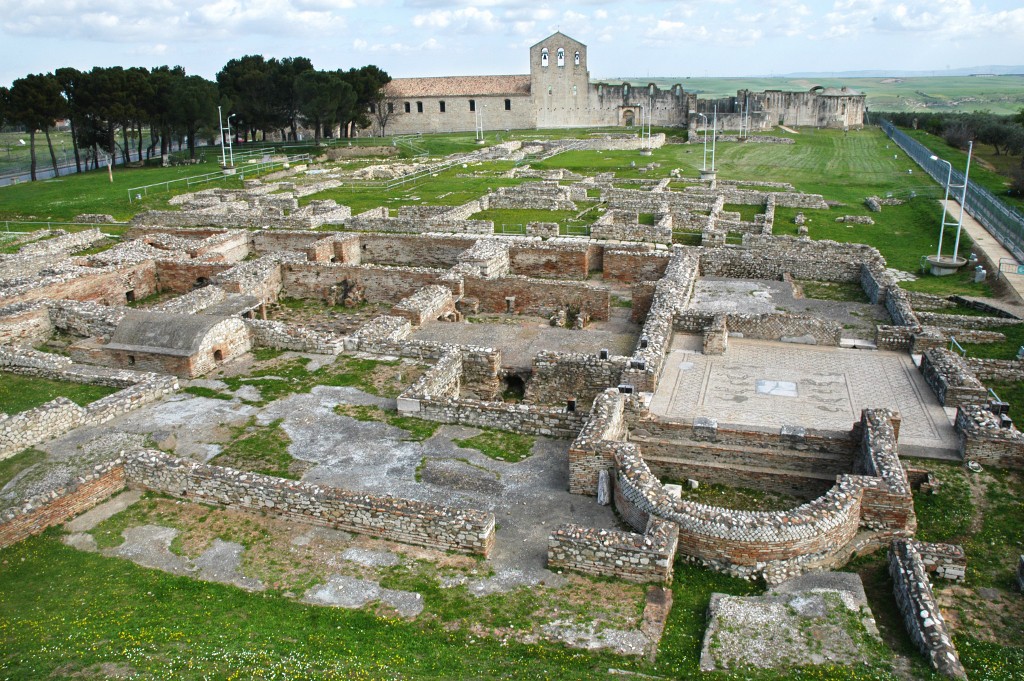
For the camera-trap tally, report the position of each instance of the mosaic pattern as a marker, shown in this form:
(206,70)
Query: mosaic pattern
(775,384)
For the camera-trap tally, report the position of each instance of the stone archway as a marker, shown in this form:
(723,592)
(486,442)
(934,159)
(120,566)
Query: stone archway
(629,118)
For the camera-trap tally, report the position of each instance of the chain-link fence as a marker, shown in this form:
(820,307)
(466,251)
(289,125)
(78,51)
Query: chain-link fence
(1002,222)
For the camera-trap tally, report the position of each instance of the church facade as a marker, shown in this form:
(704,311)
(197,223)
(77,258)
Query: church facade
(558,93)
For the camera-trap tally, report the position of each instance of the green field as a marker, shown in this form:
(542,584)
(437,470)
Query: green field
(999,94)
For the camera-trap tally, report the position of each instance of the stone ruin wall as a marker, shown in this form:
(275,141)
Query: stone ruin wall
(59,416)
(402,520)
(950,378)
(789,460)
(985,439)
(560,376)
(921,613)
(776,545)
(774,326)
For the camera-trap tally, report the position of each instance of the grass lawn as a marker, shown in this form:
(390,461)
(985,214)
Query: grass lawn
(18,393)
(108,614)
(500,444)
(13,465)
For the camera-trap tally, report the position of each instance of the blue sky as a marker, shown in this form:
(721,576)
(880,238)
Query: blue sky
(459,37)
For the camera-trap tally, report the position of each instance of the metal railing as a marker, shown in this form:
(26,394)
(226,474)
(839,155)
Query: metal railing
(136,193)
(1001,221)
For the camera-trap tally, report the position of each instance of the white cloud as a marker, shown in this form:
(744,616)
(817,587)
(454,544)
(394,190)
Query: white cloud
(124,21)
(943,18)
(469,19)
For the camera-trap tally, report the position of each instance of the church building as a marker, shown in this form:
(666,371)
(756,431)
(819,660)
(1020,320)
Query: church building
(558,93)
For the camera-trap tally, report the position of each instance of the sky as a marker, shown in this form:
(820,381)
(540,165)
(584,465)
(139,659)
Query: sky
(409,38)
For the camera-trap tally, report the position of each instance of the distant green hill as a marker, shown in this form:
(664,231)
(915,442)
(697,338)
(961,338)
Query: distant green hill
(998,94)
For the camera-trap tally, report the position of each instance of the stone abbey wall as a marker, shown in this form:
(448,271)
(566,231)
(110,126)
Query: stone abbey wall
(646,557)
(558,377)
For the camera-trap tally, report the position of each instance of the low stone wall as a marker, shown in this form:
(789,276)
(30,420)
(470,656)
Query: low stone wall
(401,520)
(85,319)
(536,296)
(586,458)
(630,265)
(769,257)
(37,513)
(998,370)
(983,438)
(25,324)
(671,295)
(779,545)
(428,304)
(963,321)
(67,243)
(61,415)
(949,377)
(775,326)
(948,561)
(561,376)
(921,614)
(271,334)
(646,557)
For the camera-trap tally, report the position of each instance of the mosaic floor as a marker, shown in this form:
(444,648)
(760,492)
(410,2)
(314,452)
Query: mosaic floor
(771,384)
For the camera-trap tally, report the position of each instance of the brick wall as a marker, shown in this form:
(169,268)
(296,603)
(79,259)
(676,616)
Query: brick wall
(38,513)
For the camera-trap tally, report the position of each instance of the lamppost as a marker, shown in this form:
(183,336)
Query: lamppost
(940,266)
(231,146)
(220,121)
(705,166)
(714,136)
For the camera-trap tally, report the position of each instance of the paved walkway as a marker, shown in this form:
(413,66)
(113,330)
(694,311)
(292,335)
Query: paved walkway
(768,384)
(985,242)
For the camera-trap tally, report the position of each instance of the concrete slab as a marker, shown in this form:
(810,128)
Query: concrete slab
(815,387)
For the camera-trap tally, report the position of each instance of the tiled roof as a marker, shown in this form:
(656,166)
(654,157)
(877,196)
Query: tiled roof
(459,86)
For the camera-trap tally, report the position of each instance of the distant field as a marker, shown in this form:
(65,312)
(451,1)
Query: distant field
(998,94)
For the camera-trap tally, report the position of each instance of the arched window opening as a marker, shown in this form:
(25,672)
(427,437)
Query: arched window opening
(508,105)
(544,57)
(513,387)
(561,56)
(549,89)
(391,107)
(419,107)
(573,90)
(408,107)
(441,106)
(472,105)
(218,356)
(576,59)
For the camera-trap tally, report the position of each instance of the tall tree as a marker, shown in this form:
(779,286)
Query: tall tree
(70,80)
(36,103)
(322,94)
(193,105)
(249,85)
(287,100)
(367,82)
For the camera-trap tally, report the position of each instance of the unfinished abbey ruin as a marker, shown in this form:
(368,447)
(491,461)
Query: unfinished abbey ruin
(558,93)
(658,366)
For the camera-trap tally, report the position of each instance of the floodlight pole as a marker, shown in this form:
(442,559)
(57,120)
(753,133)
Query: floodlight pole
(220,121)
(963,200)
(705,167)
(714,136)
(231,146)
(945,200)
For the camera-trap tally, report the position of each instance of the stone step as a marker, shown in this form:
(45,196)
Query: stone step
(845,459)
(739,467)
(857,344)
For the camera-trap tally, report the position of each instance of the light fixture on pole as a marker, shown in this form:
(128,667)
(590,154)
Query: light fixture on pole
(220,121)
(231,146)
(705,166)
(942,266)
(714,135)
